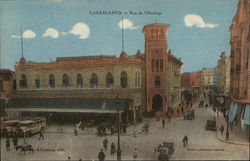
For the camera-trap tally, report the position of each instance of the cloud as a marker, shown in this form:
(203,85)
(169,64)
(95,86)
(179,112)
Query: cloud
(27,34)
(51,32)
(80,29)
(196,20)
(127,24)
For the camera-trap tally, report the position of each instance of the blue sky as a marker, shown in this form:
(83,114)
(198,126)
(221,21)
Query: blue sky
(199,29)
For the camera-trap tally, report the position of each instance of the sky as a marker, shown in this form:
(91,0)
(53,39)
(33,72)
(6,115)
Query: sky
(199,29)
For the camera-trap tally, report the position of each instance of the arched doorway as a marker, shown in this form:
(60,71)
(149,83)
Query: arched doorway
(157,102)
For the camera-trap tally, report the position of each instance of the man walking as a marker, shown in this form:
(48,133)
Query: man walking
(221,129)
(41,135)
(135,153)
(8,144)
(178,111)
(112,150)
(15,141)
(185,141)
(105,143)
(163,123)
(101,156)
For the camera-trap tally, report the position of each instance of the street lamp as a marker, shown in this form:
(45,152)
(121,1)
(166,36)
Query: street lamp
(117,105)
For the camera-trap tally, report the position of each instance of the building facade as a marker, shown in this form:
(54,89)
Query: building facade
(93,84)
(207,80)
(174,82)
(240,68)
(223,74)
(6,87)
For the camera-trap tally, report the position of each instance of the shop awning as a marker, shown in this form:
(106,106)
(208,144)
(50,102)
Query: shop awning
(247,115)
(65,105)
(232,112)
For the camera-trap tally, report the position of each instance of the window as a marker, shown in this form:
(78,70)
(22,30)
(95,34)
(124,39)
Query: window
(109,80)
(93,80)
(161,65)
(139,79)
(23,82)
(37,82)
(1,85)
(157,65)
(136,79)
(65,81)
(123,79)
(153,65)
(79,81)
(51,81)
(157,81)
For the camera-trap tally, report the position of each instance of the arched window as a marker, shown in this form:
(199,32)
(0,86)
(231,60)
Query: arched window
(124,79)
(37,81)
(93,80)
(79,80)
(51,81)
(65,81)
(23,82)
(109,80)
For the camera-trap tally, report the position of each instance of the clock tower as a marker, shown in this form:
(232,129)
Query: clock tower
(156,60)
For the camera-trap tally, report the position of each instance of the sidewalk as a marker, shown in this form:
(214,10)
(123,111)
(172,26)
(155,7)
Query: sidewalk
(236,136)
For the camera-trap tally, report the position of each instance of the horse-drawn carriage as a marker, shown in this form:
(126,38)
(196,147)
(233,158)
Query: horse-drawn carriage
(165,151)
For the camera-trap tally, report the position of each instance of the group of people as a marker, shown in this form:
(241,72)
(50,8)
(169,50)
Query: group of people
(14,140)
(101,154)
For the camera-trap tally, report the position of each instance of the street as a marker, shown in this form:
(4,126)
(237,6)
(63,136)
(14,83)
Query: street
(202,144)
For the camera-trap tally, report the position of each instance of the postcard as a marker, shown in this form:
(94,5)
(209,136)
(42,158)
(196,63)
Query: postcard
(124,80)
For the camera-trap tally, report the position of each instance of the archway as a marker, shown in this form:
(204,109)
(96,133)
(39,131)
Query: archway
(157,102)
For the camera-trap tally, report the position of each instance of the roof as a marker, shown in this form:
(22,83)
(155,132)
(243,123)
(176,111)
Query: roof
(65,105)
(6,71)
(152,24)
(10,121)
(26,122)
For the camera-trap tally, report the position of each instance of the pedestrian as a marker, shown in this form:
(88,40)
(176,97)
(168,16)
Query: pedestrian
(15,141)
(163,123)
(185,141)
(105,143)
(134,133)
(146,126)
(112,149)
(75,132)
(206,105)
(155,154)
(101,155)
(221,129)
(178,111)
(135,153)
(41,135)
(159,147)
(124,129)
(8,144)
(182,109)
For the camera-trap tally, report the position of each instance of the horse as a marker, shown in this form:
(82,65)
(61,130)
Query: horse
(24,148)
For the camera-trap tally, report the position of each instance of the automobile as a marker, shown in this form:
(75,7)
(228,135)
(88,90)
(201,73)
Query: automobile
(31,126)
(165,151)
(189,115)
(9,126)
(211,125)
